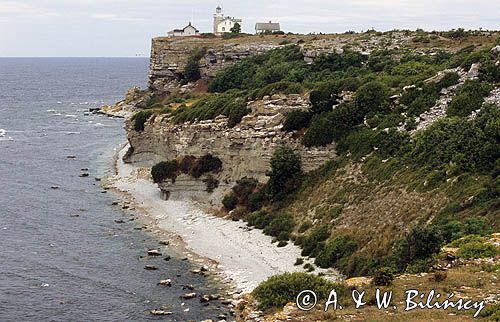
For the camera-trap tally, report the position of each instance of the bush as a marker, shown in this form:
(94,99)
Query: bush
(438,277)
(192,68)
(335,250)
(206,163)
(259,219)
(383,277)
(286,170)
(280,226)
(492,312)
(311,242)
(140,119)
(449,79)
(278,290)
(211,183)
(372,97)
(469,98)
(255,201)
(165,170)
(476,249)
(320,133)
(243,188)
(296,120)
(229,202)
(467,239)
(420,243)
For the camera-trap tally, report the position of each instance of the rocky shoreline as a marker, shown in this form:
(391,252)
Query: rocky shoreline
(240,257)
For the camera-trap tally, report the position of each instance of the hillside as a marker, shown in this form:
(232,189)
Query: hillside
(370,151)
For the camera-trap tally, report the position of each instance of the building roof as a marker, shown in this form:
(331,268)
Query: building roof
(189,25)
(267,26)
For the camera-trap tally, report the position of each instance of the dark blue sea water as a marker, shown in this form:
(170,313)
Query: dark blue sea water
(55,266)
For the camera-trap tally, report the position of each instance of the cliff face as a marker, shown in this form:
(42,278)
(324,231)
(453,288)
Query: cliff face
(169,57)
(244,150)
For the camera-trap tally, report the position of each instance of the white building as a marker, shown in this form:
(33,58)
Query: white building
(223,24)
(267,27)
(188,31)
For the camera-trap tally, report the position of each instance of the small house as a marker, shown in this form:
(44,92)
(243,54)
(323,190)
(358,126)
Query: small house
(267,27)
(188,31)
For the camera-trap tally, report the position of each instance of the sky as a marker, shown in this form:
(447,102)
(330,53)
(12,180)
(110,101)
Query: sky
(124,28)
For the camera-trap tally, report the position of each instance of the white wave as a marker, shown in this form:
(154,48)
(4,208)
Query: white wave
(2,133)
(70,115)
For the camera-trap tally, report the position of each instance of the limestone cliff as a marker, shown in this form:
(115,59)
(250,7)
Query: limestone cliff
(245,150)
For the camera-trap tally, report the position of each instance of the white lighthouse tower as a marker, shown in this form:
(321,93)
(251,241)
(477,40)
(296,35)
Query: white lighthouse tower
(218,18)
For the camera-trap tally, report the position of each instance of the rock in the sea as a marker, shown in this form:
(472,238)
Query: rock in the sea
(164,242)
(151,267)
(54,187)
(154,252)
(205,298)
(165,283)
(189,296)
(119,221)
(167,258)
(160,312)
(84,175)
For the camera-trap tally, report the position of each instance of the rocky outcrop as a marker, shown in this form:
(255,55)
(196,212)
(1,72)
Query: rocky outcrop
(245,150)
(169,57)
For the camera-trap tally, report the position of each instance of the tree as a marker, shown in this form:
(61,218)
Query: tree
(236,28)
(286,169)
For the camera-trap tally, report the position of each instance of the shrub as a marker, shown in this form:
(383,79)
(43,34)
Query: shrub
(236,112)
(383,277)
(492,312)
(238,214)
(467,239)
(449,79)
(165,170)
(259,219)
(278,290)
(299,262)
(286,170)
(309,268)
(211,183)
(243,188)
(280,226)
(229,202)
(255,201)
(372,97)
(469,98)
(296,120)
(320,133)
(187,163)
(438,277)
(206,163)
(420,243)
(336,249)
(310,243)
(192,68)
(140,119)
(476,249)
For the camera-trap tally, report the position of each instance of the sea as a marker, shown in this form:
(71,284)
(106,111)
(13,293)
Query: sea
(63,256)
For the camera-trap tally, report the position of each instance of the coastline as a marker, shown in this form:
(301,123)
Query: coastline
(242,257)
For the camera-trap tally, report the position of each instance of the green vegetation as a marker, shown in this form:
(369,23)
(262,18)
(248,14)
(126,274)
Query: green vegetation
(165,170)
(469,98)
(478,250)
(335,250)
(383,277)
(278,290)
(191,165)
(192,68)
(231,104)
(285,173)
(140,119)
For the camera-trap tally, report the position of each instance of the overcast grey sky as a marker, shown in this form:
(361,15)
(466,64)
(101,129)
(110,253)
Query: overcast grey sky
(124,27)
